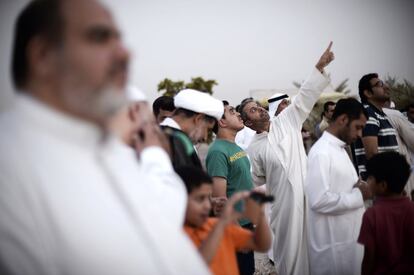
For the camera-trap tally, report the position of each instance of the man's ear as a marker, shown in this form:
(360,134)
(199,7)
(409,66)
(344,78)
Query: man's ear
(42,57)
(198,118)
(368,94)
(342,119)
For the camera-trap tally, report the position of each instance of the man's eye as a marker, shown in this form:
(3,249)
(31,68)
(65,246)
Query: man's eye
(99,35)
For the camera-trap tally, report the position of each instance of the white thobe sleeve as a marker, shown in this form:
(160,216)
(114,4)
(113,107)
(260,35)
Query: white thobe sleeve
(157,168)
(320,197)
(303,102)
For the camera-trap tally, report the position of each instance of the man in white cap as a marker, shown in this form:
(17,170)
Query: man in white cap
(278,160)
(195,115)
(73,198)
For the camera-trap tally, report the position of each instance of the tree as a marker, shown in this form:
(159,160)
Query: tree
(171,88)
(199,84)
(402,93)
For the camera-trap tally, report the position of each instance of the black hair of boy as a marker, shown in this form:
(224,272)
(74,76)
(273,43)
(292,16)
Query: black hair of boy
(193,177)
(390,167)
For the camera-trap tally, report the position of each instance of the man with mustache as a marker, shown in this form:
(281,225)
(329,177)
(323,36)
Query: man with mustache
(195,115)
(278,159)
(73,198)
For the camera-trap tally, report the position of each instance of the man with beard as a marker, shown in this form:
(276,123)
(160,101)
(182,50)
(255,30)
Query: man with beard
(73,198)
(378,135)
(196,114)
(335,196)
(278,160)
(229,167)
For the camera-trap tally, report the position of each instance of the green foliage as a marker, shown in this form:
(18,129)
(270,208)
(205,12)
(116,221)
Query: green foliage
(171,88)
(342,87)
(402,93)
(199,84)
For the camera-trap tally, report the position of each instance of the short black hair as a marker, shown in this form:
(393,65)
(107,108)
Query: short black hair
(390,167)
(327,104)
(351,107)
(243,104)
(364,84)
(164,103)
(193,177)
(215,128)
(39,18)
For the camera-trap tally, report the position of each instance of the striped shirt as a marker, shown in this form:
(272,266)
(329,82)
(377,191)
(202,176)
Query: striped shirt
(379,126)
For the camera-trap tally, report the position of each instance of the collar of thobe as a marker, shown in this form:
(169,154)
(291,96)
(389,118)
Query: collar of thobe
(334,140)
(63,126)
(171,123)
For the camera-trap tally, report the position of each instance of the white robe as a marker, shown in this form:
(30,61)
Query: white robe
(335,209)
(75,201)
(278,159)
(405,138)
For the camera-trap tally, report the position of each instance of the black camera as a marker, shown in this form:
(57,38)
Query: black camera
(261,198)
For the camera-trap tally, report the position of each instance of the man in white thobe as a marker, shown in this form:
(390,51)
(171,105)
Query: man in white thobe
(335,197)
(405,139)
(73,198)
(278,160)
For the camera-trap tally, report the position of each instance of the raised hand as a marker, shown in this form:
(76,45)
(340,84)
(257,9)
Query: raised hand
(326,58)
(229,214)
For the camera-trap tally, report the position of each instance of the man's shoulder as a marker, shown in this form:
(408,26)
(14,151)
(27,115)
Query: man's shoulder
(178,135)
(223,146)
(320,148)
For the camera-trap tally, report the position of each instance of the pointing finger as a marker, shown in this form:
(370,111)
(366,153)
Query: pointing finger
(329,47)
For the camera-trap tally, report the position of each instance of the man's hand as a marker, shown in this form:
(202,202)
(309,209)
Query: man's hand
(325,59)
(364,188)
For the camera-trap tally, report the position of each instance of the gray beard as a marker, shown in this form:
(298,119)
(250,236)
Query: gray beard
(99,105)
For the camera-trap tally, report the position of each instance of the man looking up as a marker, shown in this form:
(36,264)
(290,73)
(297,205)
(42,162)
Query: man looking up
(229,167)
(378,135)
(73,198)
(278,160)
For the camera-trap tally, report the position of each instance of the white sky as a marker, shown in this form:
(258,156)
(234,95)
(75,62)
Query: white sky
(252,44)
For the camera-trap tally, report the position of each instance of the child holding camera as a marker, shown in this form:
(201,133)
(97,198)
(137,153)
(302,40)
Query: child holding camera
(219,239)
(387,230)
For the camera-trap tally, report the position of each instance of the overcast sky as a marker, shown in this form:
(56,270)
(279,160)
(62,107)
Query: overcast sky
(251,44)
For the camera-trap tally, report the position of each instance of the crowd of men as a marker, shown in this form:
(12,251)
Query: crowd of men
(92,181)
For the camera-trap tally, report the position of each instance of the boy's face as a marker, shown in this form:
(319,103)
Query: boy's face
(199,205)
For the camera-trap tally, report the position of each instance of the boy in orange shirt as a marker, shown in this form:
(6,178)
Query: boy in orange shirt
(219,239)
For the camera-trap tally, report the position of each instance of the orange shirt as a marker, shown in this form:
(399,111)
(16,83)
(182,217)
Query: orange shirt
(235,238)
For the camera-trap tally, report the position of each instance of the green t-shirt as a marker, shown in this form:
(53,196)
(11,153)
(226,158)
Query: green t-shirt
(227,160)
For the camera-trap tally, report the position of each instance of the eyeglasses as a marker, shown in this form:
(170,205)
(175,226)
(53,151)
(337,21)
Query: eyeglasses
(379,84)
